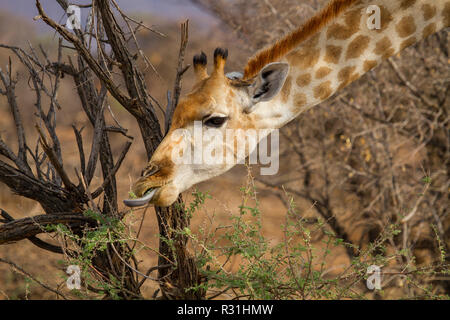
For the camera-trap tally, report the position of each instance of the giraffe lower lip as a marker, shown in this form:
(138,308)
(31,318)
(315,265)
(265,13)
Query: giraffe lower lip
(139,202)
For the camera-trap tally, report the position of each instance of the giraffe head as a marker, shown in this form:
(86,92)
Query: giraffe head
(217,103)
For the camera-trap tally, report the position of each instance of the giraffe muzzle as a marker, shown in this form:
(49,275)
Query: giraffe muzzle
(139,202)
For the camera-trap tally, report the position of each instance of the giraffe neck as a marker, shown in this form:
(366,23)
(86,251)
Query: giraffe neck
(347,47)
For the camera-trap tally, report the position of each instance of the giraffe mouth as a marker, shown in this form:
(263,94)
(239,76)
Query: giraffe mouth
(142,201)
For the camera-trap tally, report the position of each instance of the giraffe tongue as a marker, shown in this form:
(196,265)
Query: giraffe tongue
(139,202)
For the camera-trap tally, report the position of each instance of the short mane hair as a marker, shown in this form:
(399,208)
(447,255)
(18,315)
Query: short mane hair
(291,41)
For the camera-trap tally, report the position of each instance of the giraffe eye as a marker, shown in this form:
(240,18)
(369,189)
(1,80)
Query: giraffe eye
(216,122)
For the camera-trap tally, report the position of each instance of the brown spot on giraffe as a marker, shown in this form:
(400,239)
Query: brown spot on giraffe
(286,89)
(446,14)
(407,42)
(346,76)
(388,53)
(385,19)
(406,26)
(429,30)
(332,54)
(303,80)
(341,32)
(345,73)
(383,47)
(357,47)
(307,55)
(322,72)
(299,100)
(429,11)
(369,65)
(311,42)
(304,59)
(353,17)
(323,90)
(352,78)
(407,3)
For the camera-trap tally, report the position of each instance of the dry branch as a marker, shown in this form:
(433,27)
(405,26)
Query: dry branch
(172,101)
(28,227)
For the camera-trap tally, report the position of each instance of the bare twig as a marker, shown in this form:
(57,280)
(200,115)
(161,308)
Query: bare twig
(27,274)
(28,227)
(181,69)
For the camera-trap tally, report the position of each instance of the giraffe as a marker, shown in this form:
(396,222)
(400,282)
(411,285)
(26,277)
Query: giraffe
(331,50)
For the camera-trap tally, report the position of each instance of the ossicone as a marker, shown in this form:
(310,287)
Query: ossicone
(200,59)
(200,62)
(220,58)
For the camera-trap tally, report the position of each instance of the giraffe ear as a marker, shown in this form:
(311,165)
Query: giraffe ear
(268,83)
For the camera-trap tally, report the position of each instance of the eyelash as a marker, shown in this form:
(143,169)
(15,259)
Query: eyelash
(215,122)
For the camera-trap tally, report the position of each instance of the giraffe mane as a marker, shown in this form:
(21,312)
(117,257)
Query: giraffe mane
(291,41)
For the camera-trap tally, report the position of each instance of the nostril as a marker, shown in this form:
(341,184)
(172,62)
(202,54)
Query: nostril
(150,170)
